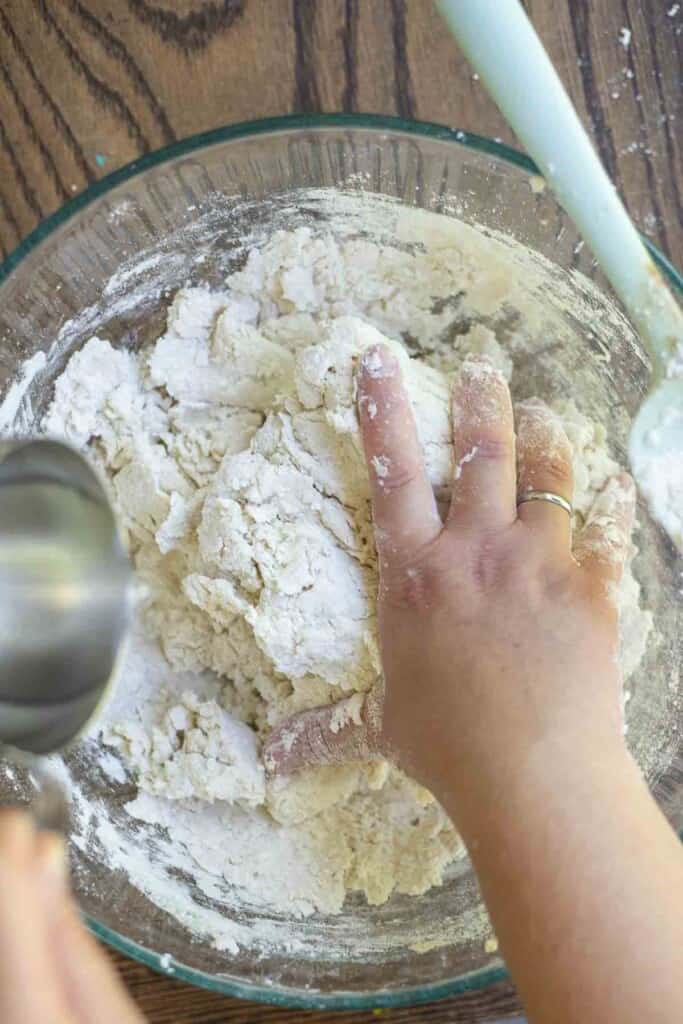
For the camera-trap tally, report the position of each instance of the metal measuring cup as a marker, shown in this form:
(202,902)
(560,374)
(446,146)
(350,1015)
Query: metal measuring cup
(65,595)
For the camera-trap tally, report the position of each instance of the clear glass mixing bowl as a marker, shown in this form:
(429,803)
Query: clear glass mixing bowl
(109,261)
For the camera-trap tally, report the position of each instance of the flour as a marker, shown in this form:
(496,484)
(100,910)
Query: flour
(381,466)
(660,474)
(625,37)
(656,452)
(18,390)
(467,457)
(232,452)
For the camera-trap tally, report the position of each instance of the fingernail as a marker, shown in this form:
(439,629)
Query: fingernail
(52,859)
(480,368)
(480,396)
(474,358)
(482,387)
(378,362)
(537,409)
(539,426)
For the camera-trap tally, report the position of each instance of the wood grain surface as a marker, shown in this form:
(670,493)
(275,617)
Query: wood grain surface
(88,85)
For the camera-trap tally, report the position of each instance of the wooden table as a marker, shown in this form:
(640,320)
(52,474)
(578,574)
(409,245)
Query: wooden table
(87,85)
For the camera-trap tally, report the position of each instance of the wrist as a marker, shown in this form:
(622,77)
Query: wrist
(551,779)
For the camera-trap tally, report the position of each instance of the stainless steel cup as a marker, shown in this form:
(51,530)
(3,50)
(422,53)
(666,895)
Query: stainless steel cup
(65,594)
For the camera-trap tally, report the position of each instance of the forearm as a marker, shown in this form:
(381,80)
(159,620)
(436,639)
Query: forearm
(583,878)
(499,637)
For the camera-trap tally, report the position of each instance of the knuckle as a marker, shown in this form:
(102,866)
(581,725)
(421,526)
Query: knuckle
(415,584)
(495,449)
(558,585)
(558,468)
(602,552)
(551,473)
(598,598)
(392,478)
(494,559)
(489,567)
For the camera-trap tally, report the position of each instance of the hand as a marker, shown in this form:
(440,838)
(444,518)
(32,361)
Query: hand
(499,648)
(499,645)
(51,969)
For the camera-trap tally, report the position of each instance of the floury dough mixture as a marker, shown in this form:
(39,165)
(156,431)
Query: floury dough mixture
(231,447)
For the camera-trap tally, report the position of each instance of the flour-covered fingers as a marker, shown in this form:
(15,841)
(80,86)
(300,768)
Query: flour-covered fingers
(605,541)
(544,464)
(337,734)
(404,509)
(484,448)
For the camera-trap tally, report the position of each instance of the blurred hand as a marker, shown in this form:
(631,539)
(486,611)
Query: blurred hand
(499,645)
(51,970)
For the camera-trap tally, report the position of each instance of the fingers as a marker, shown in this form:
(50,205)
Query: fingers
(93,988)
(544,463)
(89,983)
(50,968)
(404,509)
(605,541)
(338,734)
(30,987)
(484,448)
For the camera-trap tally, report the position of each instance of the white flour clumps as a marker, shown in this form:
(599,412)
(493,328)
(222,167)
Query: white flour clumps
(232,451)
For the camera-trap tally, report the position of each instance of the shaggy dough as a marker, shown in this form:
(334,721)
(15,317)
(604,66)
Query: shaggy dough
(231,448)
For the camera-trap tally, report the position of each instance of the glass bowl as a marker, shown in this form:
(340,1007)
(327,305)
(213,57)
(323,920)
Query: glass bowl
(108,262)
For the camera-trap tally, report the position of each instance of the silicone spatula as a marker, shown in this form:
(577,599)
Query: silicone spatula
(501,43)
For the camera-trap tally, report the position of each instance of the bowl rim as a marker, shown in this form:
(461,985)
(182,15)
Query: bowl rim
(162,963)
(284,123)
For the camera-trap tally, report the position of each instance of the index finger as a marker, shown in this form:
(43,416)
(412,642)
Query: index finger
(404,508)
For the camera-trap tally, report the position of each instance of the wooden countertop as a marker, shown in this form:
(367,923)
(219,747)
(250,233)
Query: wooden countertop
(88,85)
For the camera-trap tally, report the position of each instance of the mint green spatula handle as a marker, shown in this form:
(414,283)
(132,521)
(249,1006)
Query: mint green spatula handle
(499,40)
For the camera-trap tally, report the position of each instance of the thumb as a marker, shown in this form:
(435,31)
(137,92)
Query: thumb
(335,734)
